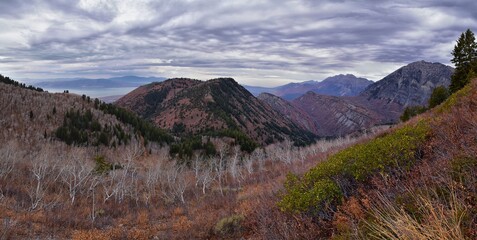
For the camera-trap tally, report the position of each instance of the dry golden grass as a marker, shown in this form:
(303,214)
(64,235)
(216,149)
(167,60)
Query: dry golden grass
(435,218)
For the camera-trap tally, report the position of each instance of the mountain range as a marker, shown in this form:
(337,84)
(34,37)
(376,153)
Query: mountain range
(222,103)
(380,103)
(329,108)
(89,83)
(339,85)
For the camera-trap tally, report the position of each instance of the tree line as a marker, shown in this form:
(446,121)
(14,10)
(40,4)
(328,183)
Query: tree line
(9,81)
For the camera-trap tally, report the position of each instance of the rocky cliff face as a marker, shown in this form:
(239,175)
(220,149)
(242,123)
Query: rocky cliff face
(410,85)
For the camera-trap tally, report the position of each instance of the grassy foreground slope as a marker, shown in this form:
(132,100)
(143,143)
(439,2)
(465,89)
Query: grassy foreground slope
(417,181)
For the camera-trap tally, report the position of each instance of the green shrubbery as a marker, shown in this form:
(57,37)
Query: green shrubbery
(412,111)
(324,185)
(321,194)
(454,99)
(461,166)
(103,167)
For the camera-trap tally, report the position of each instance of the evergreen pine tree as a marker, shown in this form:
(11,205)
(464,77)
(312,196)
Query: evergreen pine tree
(439,95)
(465,60)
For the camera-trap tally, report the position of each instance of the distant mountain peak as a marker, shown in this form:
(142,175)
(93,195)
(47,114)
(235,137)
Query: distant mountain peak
(339,85)
(347,78)
(411,84)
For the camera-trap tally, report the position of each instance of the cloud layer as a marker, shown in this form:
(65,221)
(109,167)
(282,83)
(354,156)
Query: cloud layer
(255,41)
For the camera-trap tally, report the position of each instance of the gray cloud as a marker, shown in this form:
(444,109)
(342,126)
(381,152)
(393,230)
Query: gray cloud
(249,40)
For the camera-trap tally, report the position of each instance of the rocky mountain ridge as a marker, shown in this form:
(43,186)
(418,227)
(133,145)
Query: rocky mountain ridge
(381,103)
(410,85)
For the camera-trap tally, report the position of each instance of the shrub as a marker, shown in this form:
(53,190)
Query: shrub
(461,166)
(455,98)
(229,225)
(102,166)
(412,111)
(324,185)
(323,193)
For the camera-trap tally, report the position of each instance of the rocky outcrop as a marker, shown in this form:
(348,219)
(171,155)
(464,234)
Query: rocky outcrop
(410,85)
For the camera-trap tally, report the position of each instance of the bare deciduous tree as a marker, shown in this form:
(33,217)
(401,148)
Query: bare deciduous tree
(206,177)
(8,158)
(76,172)
(233,165)
(44,171)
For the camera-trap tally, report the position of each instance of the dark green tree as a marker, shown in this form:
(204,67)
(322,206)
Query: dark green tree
(465,60)
(439,95)
(412,111)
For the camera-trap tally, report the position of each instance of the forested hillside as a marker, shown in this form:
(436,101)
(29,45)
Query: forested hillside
(214,108)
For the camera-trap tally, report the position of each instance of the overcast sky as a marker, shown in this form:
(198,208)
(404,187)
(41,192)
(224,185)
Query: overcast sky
(256,42)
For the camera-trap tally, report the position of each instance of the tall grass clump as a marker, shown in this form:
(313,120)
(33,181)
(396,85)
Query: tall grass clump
(435,216)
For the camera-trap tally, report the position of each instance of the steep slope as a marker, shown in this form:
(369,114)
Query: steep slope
(35,117)
(290,111)
(410,85)
(339,85)
(381,103)
(416,181)
(338,116)
(212,105)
